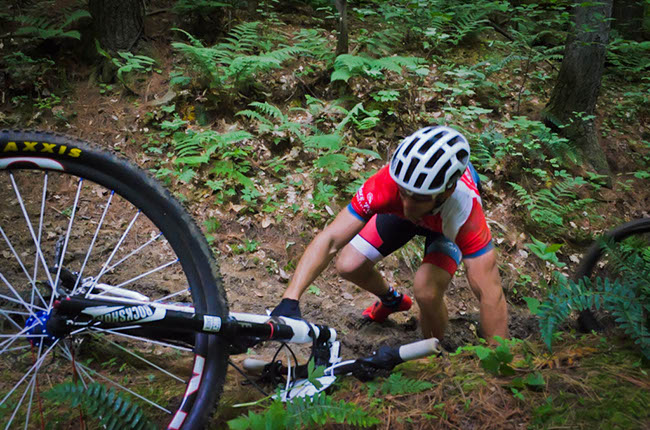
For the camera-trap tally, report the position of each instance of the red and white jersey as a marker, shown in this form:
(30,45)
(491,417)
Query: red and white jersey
(460,218)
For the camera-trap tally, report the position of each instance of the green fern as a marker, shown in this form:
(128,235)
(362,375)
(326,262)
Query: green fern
(551,208)
(397,384)
(237,62)
(40,27)
(308,412)
(347,66)
(625,293)
(113,410)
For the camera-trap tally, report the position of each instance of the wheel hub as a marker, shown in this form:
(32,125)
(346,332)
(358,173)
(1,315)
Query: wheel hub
(37,327)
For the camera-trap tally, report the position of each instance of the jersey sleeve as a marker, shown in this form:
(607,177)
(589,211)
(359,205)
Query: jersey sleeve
(376,195)
(474,236)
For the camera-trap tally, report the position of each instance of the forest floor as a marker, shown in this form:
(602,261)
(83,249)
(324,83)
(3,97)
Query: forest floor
(589,379)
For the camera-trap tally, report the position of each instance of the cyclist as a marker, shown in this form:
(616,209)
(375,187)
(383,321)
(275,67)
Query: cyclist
(429,189)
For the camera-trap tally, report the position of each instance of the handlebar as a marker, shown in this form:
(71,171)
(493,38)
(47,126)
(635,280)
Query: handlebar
(365,368)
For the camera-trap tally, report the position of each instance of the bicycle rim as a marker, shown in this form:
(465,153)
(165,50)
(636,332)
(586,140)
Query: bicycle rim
(78,219)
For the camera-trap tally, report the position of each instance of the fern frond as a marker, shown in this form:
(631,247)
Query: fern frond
(322,409)
(268,109)
(397,384)
(115,410)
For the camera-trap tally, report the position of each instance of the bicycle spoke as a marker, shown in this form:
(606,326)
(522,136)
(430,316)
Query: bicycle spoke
(11,299)
(18,298)
(29,388)
(18,348)
(59,264)
(40,234)
(142,339)
(173,295)
(146,273)
(39,251)
(155,366)
(110,258)
(31,280)
(135,251)
(34,367)
(11,320)
(92,243)
(139,396)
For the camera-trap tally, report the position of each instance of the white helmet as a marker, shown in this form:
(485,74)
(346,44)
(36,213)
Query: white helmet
(430,160)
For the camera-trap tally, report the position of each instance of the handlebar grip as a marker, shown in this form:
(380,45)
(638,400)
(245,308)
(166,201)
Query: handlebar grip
(253,365)
(419,349)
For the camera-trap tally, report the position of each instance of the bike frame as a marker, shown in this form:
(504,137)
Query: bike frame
(116,312)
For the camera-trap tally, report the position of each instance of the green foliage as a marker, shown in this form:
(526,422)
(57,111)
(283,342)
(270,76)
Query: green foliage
(520,143)
(553,207)
(625,293)
(308,412)
(397,384)
(496,361)
(629,58)
(199,7)
(41,27)
(431,24)
(238,62)
(113,410)
(546,252)
(347,66)
(275,125)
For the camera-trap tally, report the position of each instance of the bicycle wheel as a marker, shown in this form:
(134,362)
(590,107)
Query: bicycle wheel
(595,262)
(75,215)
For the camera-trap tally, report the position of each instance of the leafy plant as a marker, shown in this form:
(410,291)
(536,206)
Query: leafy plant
(237,63)
(41,27)
(307,412)
(625,293)
(272,122)
(347,66)
(496,361)
(546,252)
(113,410)
(397,384)
(552,207)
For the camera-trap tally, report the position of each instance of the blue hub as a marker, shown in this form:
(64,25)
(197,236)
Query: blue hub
(39,329)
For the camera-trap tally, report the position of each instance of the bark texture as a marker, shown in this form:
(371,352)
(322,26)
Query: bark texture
(118,23)
(342,42)
(578,85)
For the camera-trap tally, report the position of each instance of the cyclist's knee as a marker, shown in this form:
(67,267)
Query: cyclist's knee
(350,264)
(430,284)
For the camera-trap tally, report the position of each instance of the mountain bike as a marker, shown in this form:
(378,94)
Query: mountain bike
(104,277)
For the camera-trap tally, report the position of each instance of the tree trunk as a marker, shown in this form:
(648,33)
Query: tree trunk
(628,19)
(573,100)
(342,42)
(118,23)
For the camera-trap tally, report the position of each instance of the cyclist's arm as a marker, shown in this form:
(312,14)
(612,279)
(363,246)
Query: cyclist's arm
(321,251)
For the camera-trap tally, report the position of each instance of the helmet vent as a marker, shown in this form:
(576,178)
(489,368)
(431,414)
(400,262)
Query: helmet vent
(399,166)
(407,151)
(440,177)
(462,156)
(420,180)
(411,168)
(425,147)
(454,140)
(439,153)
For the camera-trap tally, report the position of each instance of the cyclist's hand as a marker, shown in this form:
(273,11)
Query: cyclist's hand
(287,308)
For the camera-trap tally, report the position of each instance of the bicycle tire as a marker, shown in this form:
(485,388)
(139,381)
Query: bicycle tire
(587,321)
(64,158)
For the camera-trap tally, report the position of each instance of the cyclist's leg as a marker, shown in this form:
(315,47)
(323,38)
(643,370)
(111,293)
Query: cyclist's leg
(429,288)
(485,281)
(379,238)
(439,264)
